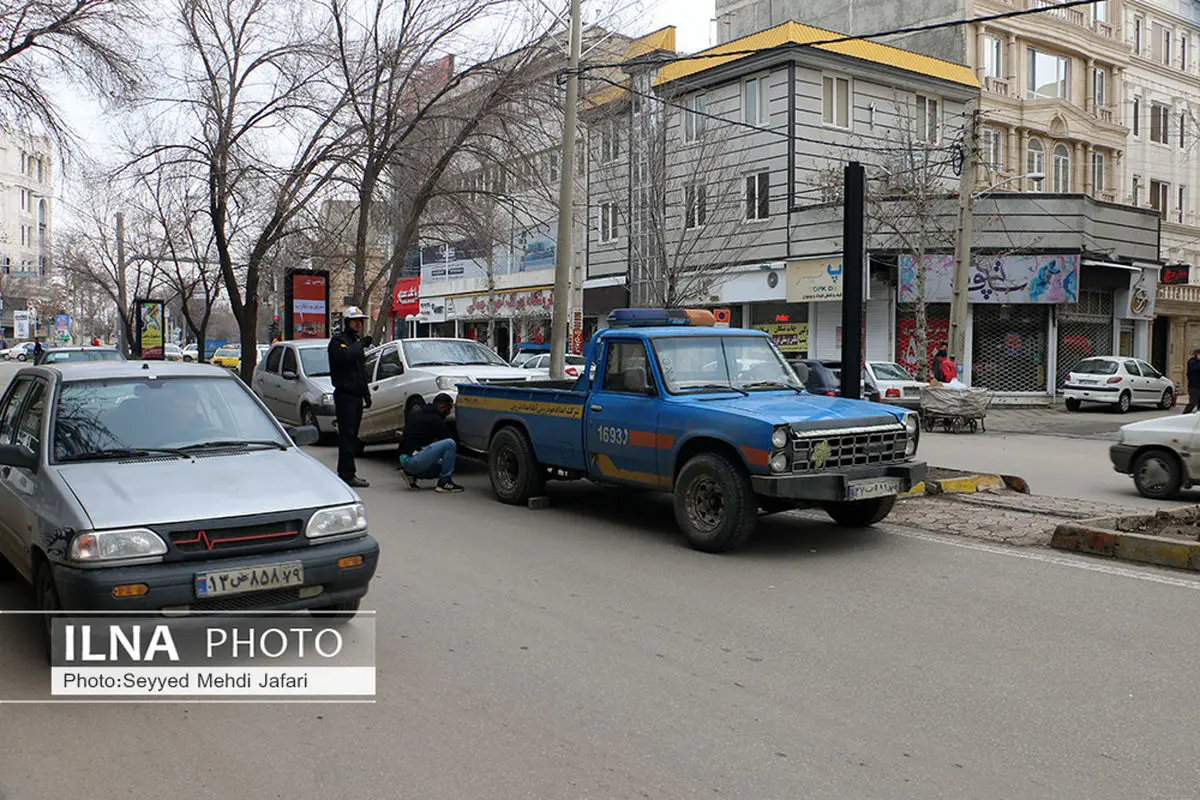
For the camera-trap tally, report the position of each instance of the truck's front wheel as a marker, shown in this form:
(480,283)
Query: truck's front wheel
(513,468)
(861,513)
(715,505)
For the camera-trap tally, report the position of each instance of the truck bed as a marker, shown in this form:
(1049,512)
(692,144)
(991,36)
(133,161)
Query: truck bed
(551,412)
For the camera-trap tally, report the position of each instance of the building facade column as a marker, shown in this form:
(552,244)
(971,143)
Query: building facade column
(1022,146)
(1116,100)
(980,51)
(1088,188)
(1077,169)
(1012,160)
(1089,99)
(1117,175)
(1010,68)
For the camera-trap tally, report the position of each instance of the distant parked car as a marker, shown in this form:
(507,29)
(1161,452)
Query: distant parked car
(18,352)
(527,351)
(191,352)
(540,365)
(293,382)
(1117,381)
(228,356)
(896,386)
(172,352)
(825,377)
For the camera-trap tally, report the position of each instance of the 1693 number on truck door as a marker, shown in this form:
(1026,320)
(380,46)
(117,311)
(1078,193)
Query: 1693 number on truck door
(612,435)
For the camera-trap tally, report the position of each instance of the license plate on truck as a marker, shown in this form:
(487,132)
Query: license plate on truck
(249,579)
(876,487)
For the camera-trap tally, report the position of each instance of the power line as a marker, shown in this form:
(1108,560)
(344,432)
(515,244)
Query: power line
(933,26)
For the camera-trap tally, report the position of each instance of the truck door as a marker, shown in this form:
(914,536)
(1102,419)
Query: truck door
(622,418)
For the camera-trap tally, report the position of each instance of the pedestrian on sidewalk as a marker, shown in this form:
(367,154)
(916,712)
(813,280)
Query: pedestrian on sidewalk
(427,449)
(351,394)
(1193,382)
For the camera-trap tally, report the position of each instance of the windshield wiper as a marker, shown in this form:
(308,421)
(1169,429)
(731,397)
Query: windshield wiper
(437,364)
(227,443)
(483,363)
(772,385)
(708,387)
(125,452)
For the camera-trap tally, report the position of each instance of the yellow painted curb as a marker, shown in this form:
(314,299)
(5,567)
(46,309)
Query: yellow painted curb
(959,485)
(989,482)
(916,490)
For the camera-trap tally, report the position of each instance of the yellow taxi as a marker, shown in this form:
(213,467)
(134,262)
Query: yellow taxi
(229,357)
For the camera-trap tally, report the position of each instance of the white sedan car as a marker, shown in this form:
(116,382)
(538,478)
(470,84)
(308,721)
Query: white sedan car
(540,365)
(1118,381)
(1160,454)
(896,386)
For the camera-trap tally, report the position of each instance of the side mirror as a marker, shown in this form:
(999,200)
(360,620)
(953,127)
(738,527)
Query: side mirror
(288,375)
(15,455)
(305,435)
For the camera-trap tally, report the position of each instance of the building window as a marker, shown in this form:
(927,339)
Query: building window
(993,61)
(1183,51)
(24,163)
(1099,11)
(837,101)
(755,101)
(1159,123)
(1097,172)
(1036,164)
(1049,76)
(610,141)
(551,166)
(1099,87)
(758,196)
(694,119)
(1062,169)
(609,225)
(1161,44)
(928,120)
(1137,190)
(1159,194)
(1181,208)
(1139,26)
(993,149)
(1136,122)
(695,200)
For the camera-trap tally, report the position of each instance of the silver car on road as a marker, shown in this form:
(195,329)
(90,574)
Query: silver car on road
(167,487)
(293,381)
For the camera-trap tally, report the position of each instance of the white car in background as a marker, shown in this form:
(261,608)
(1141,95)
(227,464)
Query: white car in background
(403,371)
(1117,381)
(18,352)
(1162,455)
(896,386)
(190,352)
(539,365)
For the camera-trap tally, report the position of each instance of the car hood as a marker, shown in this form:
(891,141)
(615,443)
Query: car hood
(123,494)
(801,411)
(1173,425)
(477,372)
(324,383)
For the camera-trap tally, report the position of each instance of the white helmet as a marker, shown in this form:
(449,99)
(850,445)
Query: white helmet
(354,312)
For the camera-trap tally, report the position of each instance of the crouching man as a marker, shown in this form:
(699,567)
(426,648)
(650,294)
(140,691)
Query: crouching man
(427,450)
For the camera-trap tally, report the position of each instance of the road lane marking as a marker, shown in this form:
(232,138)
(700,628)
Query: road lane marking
(1076,562)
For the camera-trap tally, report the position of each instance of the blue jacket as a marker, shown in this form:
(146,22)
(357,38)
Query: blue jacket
(1193,373)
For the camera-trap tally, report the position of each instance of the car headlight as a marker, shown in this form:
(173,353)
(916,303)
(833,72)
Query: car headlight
(117,545)
(780,437)
(451,381)
(779,462)
(337,521)
(326,399)
(912,424)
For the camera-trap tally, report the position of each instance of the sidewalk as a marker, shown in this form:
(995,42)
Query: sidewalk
(1090,422)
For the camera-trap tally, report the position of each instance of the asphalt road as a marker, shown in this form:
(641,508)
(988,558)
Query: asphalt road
(582,652)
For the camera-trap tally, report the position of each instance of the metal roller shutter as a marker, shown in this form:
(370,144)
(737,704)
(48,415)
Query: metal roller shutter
(1084,329)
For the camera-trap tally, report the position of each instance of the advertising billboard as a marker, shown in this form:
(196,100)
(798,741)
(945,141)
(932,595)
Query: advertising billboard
(62,327)
(406,297)
(21,325)
(150,329)
(306,304)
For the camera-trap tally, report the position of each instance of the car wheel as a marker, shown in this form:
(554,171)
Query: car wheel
(513,468)
(861,513)
(1157,475)
(46,599)
(715,505)
(340,612)
(187,359)
(1124,403)
(1072,404)
(22,357)
(1167,401)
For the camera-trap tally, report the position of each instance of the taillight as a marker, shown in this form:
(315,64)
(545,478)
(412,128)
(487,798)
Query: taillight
(831,394)
(572,372)
(893,392)
(1115,379)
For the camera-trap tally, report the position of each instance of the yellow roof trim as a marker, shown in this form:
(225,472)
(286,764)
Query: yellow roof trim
(795,33)
(606,95)
(661,39)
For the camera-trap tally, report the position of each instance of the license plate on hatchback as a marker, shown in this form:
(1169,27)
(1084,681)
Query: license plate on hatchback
(876,487)
(249,579)
(1088,381)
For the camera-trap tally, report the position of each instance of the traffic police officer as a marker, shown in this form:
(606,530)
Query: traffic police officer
(351,394)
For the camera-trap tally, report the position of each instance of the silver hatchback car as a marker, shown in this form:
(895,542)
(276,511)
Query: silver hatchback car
(293,381)
(167,487)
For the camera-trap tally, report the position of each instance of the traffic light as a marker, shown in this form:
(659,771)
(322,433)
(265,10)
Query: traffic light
(275,334)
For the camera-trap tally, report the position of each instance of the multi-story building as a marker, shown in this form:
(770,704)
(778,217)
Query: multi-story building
(26,219)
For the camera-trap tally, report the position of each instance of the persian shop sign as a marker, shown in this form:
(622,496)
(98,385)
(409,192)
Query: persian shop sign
(1024,279)
(814,281)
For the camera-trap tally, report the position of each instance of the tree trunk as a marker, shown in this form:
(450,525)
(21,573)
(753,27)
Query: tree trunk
(366,195)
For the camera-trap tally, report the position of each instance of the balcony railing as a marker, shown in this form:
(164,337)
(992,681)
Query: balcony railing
(1075,16)
(996,85)
(1104,114)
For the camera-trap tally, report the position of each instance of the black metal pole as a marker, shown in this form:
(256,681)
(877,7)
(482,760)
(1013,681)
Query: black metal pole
(853,260)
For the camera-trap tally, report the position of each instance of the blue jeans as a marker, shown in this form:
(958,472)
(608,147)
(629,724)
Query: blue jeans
(433,461)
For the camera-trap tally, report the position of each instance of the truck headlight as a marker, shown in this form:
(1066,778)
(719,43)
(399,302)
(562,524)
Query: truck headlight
(912,424)
(779,462)
(780,437)
(451,381)
(337,521)
(117,545)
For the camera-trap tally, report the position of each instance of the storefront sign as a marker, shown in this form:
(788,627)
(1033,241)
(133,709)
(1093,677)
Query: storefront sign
(528,303)
(1026,279)
(790,337)
(148,315)
(406,297)
(1137,302)
(814,281)
(908,354)
(433,309)
(306,304)
(1174,275)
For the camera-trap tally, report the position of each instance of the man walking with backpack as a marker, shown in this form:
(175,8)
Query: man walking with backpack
(427,450)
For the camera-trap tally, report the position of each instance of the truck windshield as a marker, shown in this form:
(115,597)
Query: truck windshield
(713,363)
(448,352)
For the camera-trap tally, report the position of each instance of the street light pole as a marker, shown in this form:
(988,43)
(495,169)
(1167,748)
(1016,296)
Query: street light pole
(564,248)
(122,291)
(962,245)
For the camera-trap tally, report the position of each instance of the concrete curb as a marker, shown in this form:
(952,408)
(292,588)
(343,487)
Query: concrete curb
(969,484)
(1100,537)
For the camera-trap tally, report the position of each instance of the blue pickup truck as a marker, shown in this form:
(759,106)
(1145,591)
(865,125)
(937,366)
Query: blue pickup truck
(713,415)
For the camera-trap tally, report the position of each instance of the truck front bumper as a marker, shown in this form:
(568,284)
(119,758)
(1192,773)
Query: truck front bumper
(833,488)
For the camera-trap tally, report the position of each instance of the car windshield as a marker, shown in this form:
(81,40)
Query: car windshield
(890,371)
(124,417)
(315,361)
(713,363)
(226,352)
(1095,366)
(63,356)
(448,352)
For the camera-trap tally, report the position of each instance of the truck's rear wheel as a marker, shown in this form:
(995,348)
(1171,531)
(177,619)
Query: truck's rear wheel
(861,513)
(715,505)
(513,468)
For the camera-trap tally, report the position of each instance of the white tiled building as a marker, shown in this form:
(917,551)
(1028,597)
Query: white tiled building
(26,205)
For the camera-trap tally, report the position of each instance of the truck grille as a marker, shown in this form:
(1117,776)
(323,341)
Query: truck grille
(826,451)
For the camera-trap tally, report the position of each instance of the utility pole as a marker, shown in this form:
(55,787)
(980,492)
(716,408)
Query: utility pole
(962,243)
(122,291)
(853,266)
(565,249)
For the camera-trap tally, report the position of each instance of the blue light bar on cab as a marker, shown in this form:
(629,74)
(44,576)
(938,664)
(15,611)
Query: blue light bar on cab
(656,317)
